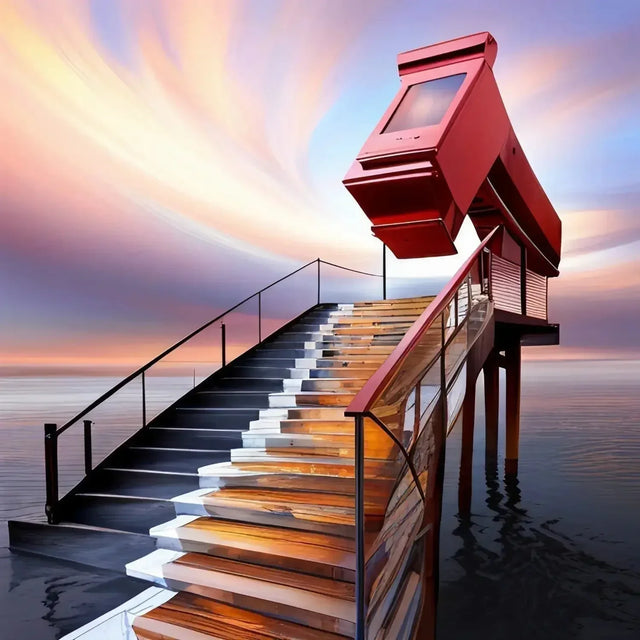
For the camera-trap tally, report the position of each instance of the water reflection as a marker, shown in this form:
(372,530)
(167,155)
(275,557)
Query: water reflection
(516,576)
(44,599)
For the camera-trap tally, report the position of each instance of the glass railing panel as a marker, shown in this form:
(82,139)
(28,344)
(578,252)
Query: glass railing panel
(390,554)
(396,557)
(456,351)
(450,318)
(477,318)
(455,396)
(430,385)
(418,360)
(463,301)
(383,461)
(411,421)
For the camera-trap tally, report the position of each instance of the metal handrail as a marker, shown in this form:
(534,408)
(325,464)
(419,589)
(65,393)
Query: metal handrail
(52,432)
(166,352)
(364,400)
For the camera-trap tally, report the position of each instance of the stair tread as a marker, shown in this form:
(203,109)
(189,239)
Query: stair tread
(242,476)
(329,587)
(294,501)
(220,621)
(264,541)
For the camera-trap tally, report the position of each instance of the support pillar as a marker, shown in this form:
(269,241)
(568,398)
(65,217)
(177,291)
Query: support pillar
(466,454)
(512,367)
(431,524)
(491,407)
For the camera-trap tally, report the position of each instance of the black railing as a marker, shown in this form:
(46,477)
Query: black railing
(52,432)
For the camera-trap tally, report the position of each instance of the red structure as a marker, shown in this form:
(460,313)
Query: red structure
(445,149)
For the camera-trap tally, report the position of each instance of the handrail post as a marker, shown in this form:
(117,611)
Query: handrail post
(443,372)
(51,471)
(384,271)
(259,316)
(144,401)
(318,280)
(223,331)
(88,466)
(360,523)
(455,305)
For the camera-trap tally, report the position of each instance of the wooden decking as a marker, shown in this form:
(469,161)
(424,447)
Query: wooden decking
(266,547)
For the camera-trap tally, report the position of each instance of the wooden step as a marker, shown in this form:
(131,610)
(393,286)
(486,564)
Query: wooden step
(319,554)
(192,617)
(400,303)
(371,330)
(381,312)
(318,426)
(378,445)
(327,384)
(323,512)
(310,399)
(268,439)
(348,340)
(365,352)
(392,301)
(231,475)
(363,373)
(313,601)
(323,413)
(381,321)
(293,462)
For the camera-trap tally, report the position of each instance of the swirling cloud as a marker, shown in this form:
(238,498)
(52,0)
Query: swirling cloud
(162,159)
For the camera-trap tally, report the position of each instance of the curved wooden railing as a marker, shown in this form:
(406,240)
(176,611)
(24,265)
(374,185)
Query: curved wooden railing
(414,399)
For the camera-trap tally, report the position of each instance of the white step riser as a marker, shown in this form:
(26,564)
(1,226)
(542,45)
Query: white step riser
(261,455)
(279,441)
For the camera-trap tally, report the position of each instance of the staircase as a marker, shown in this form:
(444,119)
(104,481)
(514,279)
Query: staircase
(264,547)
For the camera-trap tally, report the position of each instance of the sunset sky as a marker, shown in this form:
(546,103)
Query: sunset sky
(160,160)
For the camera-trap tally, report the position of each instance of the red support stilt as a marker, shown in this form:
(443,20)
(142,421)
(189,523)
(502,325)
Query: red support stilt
(513,363)
(466,455)
(431,522)
(491,407)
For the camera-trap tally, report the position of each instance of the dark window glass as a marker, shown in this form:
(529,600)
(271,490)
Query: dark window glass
(425,104)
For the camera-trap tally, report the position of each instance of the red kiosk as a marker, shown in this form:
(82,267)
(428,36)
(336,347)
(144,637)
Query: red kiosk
(445,149)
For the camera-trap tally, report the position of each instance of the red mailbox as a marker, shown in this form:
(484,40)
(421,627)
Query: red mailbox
(445,149)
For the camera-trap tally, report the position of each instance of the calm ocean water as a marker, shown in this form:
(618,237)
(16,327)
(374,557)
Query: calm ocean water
(554,555)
